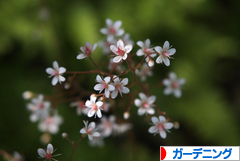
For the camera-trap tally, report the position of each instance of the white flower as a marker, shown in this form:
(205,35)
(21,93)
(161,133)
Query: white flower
(51,124)
(97,141)
(121,51)
(47,153)
(81,108)
(119,87)
(57,72)
(39,108)
(87,50)
(126,39)
(146,51)
(94,108)
(107,125)
(104,84)
(122,128)
(90,130)
(145,104)
(160,126)
(113,29)
(105,45)
(173,85)
(144,71)
(164,53)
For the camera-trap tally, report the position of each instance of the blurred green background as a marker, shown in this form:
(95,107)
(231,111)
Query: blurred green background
(34,33)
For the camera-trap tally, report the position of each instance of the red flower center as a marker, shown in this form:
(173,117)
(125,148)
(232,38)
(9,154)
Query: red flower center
(48,156)
(120,52)
(165,54)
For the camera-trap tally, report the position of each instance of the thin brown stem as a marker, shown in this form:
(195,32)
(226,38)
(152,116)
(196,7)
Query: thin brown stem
(74,148)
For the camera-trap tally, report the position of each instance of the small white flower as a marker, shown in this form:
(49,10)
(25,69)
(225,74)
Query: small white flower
(160,126)
(144,71)
(87,50)
(105,44)
(119,87)
(173,85)
(145,104)
(121,51)
(164,53)
(90,130)
(126,39)
(81,108)
(97,141)
(146,51)
(39,108)
(122,128)
(57,72)
(104,84)
(47,154)
(94,108)
(51,124)
(113,29)
(107,125)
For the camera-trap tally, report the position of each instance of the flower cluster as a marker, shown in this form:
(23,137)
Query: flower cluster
(41,111)
(112,89)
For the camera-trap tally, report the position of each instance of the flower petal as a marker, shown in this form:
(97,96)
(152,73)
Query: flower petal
(141,111)
(114,94)
(140,52)
(150,111)
(159,60)
(49,149)
(158,49)
(114,49)
(91,113)
(54,80)
(141,44)
(168,125)
(154,120)
(99,114)
(117,24)
(55,65)
(83,131)
(81,56)
(166,45)
(117,59)
(171,51)
(120,44)
(61,70)
(163,134)
(177,93)
(152,129)
(41,152)
(128,48)
(166,61)
(94,47)
(50,71)
(151,99)
(142,96)
(125,90)
(137,102)
(162,119)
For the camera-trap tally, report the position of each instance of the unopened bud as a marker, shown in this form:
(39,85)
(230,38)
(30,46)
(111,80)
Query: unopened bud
(67,85)
(45,138)
(176,125)
(27,95)
(64,135)
(126,115)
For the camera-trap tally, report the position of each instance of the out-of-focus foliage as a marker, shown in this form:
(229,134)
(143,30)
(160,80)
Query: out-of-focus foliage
(34,33)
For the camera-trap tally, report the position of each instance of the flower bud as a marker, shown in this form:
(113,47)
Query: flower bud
(126,115)
(176,125)
(64,135)
(27,95)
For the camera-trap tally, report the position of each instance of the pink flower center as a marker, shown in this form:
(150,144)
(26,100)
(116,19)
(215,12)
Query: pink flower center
(165,54)
(118,87)
(146,105)
(160,127)
(88,51)
(56,72)
(48,156)
(175,85)
(120,52)
(40,105)
(89,130)
(146,50)
(112,31)
(49,120)
(105,85)
(94,107)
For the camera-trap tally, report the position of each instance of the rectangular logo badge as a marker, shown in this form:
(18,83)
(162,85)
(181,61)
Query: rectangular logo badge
(199,153)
